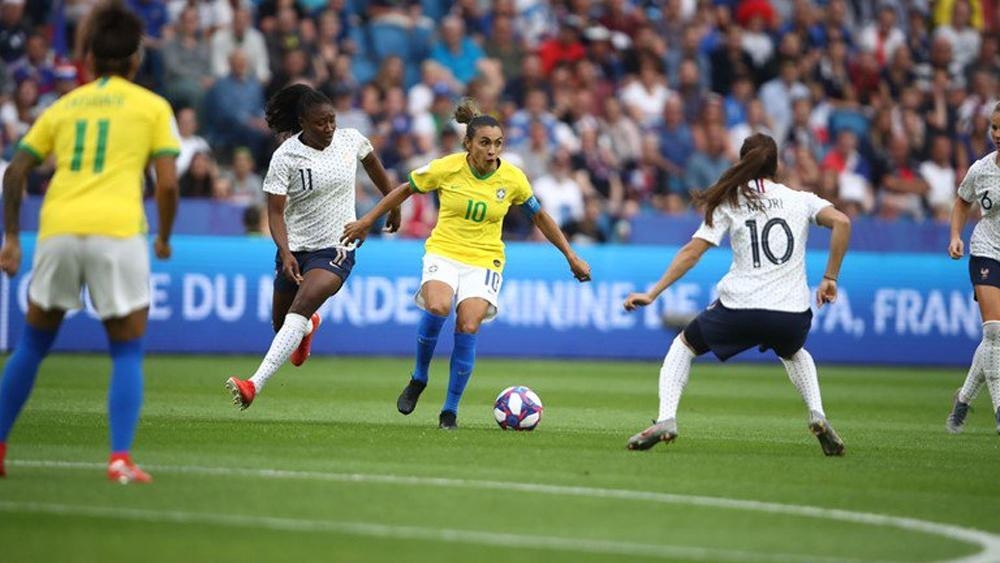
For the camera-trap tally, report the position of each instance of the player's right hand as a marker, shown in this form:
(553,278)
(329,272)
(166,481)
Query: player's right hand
(636,300)
(355,231)
(956,248)
(161,248)
(827,292)
(10,256)
(290,266)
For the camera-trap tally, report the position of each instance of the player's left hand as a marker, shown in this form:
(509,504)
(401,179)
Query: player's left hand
(580,268)
(827,292)
(10,257)
(392,222)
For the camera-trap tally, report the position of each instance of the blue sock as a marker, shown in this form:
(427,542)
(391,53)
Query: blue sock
(124,393)
(463,359)
(19,375)
(427,337)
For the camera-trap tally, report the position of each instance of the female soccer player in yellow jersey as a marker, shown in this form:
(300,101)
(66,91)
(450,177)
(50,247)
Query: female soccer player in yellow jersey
(464,254)
(92,228)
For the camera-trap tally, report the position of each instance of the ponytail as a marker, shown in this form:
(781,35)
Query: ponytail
(468,113)
(286,107)
(758,159)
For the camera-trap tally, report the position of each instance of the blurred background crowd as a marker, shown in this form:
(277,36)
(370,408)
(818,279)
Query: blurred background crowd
(613,108)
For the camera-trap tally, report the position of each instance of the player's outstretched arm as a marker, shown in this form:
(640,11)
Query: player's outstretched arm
(14,180)
(167,196)
(683,261)
(959,215)
(549,228)
(830,218)
(358,230)
(373,166)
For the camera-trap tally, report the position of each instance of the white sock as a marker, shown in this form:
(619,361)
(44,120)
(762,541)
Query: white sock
(673,378)
(802,371)
(284,343)
(991,360)
(974,379)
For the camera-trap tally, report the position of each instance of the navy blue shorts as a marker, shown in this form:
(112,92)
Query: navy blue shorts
(727,332)
(984,271)
(339,261)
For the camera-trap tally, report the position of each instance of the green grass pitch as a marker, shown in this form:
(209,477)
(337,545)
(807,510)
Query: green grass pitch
(322,467)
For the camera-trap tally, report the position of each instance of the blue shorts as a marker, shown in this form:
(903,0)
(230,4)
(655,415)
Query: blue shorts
(984,271)
(727,332)
(339,261)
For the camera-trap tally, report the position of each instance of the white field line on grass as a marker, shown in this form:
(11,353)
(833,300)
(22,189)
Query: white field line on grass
(988,542)
(603,547)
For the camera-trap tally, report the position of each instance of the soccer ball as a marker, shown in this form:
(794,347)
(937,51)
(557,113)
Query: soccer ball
(518,408)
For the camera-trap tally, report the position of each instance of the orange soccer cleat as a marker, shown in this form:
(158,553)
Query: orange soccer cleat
(122,470)
(301,354)
(242,390)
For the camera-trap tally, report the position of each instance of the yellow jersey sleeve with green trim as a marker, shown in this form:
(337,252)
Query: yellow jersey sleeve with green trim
(472,208)
(102,135)
(428,177)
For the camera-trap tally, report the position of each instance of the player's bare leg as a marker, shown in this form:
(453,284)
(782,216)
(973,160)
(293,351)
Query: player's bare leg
(437,297)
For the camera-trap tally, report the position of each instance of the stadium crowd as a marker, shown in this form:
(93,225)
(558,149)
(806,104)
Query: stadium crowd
(612,108)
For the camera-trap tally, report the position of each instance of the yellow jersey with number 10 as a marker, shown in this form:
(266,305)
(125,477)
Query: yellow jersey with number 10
(103,135)
(472,208)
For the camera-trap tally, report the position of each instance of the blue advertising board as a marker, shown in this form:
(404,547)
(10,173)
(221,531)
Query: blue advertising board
(214,296)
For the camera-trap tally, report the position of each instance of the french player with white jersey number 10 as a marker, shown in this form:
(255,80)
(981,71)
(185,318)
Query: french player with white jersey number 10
(981,186)
(764,298)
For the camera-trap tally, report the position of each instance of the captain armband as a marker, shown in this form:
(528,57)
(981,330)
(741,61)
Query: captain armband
(531,206)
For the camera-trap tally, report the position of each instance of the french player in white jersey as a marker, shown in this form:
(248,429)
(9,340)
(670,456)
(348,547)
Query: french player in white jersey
(310,186)
(981,186)
(764,298)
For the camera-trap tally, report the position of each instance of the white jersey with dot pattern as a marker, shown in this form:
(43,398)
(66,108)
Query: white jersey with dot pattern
(320,186)
(982,185)
(768,238)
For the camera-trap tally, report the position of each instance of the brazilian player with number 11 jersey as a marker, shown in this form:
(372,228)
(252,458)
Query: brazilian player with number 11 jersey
(464,255)
(764,298)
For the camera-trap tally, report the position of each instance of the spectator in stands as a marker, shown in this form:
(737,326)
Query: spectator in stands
(155,18)
(645,98)
(295,68)
(13,32)
(756,16)
(939,173)
(647,184)
(898,74)
(848,174)
(191,142)
(730,60)
(242,36)
(881,38)
(349,116)
(559,192)
(593,228)
(757,122)
(199,179)
(38,64)
(536,106)
(536,155)
(254,222)
(530,78)
(187,63)
(964,38)
(18,114)
(420,96)
(456,52)
(623,134)
(901,188)
(66,80)
(236,107)
(246,187)
(676,143)
(284,37)
(707,164)
(564,48)
(505,46)
(778,94)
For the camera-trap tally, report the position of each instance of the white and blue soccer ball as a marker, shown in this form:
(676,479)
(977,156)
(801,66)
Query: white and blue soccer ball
(518,408)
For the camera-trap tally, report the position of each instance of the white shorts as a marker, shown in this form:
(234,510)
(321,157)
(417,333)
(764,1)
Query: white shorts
(465,281)
(114,270)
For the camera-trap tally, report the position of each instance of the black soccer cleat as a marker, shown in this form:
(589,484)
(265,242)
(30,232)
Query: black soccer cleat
(828,439)
(447,420)
(407,400)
